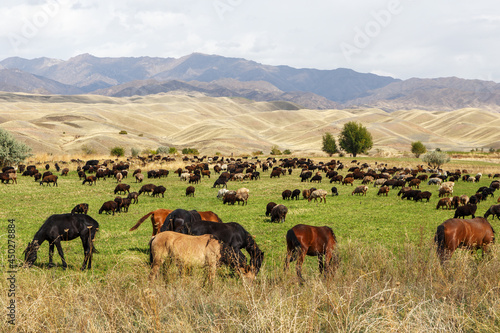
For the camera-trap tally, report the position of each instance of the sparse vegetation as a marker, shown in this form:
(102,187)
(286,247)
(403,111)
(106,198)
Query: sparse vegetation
(87,150)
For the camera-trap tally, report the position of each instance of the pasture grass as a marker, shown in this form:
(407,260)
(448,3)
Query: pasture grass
(388,279)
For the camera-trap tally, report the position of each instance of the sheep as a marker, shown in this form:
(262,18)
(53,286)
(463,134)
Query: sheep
(321,194)
(286,194)
(190,191)
(278,213)
(360,190)
(270,207)
(139,177)
(463,211)
(49,179)
(444,202)
(383,190)
(242,195)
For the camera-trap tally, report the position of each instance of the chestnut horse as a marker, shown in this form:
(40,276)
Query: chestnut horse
(159,216)
(469,233)
(304,240)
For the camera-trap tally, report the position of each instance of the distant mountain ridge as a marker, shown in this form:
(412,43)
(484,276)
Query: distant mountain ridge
(218,76)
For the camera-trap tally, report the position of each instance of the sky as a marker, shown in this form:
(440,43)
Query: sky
(398,38)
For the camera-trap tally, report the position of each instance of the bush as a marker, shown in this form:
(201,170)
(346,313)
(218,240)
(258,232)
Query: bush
(190,151)
(417,148)
(257,153)
(275,150)
(436,159)
(12,151)
(287,152)
(134,152)
(162,150)
(117,151)
(123,132)
(172,150)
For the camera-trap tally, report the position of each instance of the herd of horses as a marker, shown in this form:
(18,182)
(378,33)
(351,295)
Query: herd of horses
(201,238)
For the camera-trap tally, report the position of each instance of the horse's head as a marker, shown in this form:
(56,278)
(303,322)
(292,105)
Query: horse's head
(179,225)
(247,273)
(30,253)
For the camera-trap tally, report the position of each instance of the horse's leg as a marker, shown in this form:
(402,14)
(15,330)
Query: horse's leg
(298,266)
(321,263)
(291,255)
(51,255)
(61,253)
(87,250)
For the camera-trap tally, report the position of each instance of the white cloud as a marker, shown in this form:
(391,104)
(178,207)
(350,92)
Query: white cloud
(418,38)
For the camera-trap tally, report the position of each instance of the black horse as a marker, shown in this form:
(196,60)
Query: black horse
(231,233)
(64,227)
(178,217)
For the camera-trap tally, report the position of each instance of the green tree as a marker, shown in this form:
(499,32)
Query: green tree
(418,148)
(12,151)
(117,151)
(355,138)
(435,159)
(172,150)
(329,144)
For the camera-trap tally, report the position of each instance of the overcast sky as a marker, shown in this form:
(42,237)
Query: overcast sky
(400,38)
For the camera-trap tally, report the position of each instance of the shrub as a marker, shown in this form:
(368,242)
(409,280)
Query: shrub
(190,151)
(12,151)
(123,132)
(134,152)
(162,150)
(172,150)
(275,150)
(117,151)
(417,148)
(287,152)
(436,159)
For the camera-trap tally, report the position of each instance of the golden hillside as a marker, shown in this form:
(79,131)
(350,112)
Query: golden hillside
(65,124)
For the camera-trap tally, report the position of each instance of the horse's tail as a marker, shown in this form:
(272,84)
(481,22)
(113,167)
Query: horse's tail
(439,239)
(142,219)
(292,239)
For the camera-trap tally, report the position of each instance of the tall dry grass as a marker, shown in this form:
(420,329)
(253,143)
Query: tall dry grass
(374,290)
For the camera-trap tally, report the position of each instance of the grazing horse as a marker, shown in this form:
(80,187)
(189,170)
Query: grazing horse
(157,218)
(231,233)
(64,227)
(304,240)
(469,233)
(203,250)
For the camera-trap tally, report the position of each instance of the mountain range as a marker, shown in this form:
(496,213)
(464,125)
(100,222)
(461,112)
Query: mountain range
(217,76)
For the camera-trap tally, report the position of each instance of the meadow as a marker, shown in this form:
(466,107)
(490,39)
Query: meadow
(389,278)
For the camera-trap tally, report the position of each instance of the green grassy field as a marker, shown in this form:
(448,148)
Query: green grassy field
(389,278)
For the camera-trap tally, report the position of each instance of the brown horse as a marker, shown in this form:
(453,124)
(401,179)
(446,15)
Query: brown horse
(469,233)
(158,218)
(308,240)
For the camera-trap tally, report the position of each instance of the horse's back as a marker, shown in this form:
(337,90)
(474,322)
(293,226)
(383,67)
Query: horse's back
(469,232)
(315,240)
